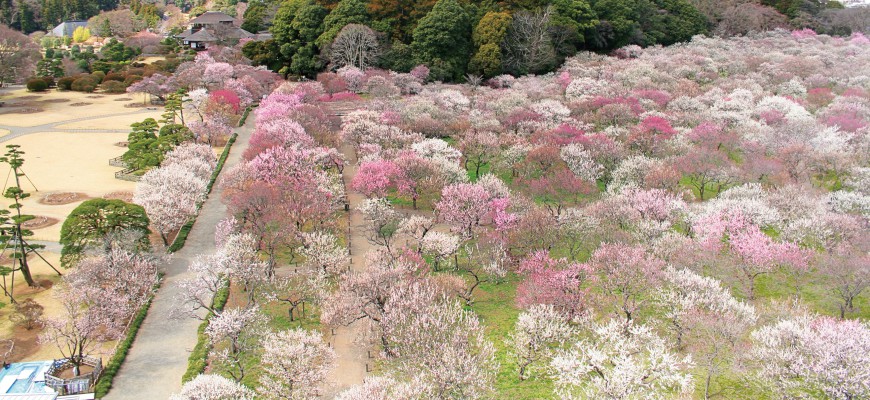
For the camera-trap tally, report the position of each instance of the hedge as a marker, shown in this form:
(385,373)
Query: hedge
(198,359)
(114,365)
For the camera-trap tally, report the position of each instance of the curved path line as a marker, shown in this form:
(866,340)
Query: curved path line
(18,131)
(158,358)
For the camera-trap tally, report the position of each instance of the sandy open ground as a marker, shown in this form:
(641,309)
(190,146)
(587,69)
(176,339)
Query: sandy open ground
(54,111)
(67,162)
(60,162)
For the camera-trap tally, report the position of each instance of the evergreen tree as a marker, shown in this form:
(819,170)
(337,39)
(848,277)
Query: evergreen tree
(398,17)
(345,12)
(442,40)
(89,224)
(142,149)
(174,108)
(254,18)
(570,23)
(488,36)
(266,53)
(12,235)
(297,26)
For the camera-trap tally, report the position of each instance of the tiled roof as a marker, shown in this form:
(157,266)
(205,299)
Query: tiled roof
(212,17)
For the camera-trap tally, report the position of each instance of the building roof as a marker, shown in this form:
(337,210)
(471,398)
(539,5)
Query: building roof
(208,35)
(239,33)
(202,35)
(67,28)
(211,17)
(185,34)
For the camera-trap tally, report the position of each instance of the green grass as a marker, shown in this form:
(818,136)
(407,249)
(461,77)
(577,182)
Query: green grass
(484,169)
(104,384)
(494,304)
(278,320)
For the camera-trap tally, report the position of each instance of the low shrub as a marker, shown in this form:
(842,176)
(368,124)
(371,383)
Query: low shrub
(112,76)
(114,87)
(36,85)
(65,83)
(131,79)
(99,75)
(85,84)
(49,80)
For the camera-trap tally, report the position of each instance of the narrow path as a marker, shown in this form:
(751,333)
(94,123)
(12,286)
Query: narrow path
(353,357)
(158,358)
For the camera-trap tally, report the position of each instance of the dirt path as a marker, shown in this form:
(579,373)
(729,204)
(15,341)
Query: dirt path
(353,357)
(158,358)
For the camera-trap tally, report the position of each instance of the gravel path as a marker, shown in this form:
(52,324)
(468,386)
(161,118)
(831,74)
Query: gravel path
(158,358)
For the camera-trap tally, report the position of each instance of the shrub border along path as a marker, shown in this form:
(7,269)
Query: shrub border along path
(154,367)
(198,359)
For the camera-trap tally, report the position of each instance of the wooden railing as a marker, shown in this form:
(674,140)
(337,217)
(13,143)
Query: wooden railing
(118,162)
(75,385)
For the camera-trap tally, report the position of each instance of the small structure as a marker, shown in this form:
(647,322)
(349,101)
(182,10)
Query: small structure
(67,28)
(81,383)
(210,28)
(34,381)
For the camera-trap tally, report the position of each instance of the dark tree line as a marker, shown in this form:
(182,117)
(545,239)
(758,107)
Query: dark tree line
(487,38)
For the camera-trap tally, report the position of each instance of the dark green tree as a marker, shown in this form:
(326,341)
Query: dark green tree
(117,51)
(266,53)
(646,22)
(488,36)
(172,135)
(25,18)
(297,26)
(174,107)
(571,21)
(618,23)
(442,40)
(142,151)
(92,223)
(398,18)
(345,12)
(254,18)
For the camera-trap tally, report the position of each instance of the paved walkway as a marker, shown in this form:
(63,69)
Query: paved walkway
(158,359)
(18,131)
(352,355)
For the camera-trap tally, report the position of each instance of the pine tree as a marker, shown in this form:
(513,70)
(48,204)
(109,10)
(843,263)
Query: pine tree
(12,234)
